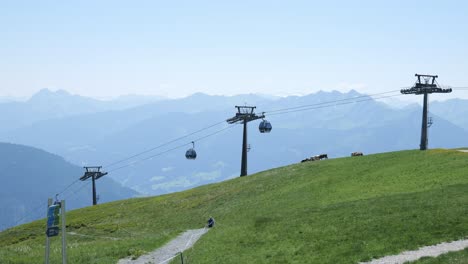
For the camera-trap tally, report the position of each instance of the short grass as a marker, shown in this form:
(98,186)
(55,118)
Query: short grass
(333,211)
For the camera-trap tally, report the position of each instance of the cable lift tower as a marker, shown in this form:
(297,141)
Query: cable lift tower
(93,172)
(244,115)
(425,88)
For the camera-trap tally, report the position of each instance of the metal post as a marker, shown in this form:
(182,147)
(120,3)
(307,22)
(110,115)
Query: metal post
(244,114)
(64,233)
(47,246)
(94,190)
(423,145)
(425,88)
(244,151)
(181,258)
(94,173)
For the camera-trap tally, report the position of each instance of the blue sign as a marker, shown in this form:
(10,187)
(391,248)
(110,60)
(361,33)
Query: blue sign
(53,218)
(52,231)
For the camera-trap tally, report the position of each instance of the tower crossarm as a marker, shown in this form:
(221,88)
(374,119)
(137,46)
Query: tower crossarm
(425,84)
(244,113)
(422,90)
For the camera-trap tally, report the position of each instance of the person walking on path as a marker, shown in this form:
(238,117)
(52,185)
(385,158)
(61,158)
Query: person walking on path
(211,222)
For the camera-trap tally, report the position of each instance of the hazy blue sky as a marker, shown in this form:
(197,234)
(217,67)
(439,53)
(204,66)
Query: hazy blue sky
(175,48)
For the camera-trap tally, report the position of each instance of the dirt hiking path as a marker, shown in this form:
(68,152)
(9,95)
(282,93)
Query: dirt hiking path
(429,251)
(169,251)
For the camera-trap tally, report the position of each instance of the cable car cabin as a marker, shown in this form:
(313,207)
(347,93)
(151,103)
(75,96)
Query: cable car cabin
(265,127)
(191,154)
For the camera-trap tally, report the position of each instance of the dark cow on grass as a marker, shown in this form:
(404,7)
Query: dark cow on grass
(316,157)
(323,156)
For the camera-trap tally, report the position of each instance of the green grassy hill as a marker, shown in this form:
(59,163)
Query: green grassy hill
(332,211)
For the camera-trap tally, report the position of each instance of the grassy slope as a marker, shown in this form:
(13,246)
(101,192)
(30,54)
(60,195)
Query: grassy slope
(336,211)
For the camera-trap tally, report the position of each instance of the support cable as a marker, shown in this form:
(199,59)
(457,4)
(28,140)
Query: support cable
(172,149)
(36,208)
(329,102)
(74,195)
(30,213)
(162,145)
(272,112)
(61,192)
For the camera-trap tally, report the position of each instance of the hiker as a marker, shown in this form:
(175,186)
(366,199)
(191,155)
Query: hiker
(211,222)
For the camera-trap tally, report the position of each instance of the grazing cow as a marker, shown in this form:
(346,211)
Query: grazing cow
(354,154)
(316,157)
(323,156)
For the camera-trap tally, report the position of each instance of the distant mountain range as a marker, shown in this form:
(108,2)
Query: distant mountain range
(30,176)
(46,105)
(91,132)
(453,110)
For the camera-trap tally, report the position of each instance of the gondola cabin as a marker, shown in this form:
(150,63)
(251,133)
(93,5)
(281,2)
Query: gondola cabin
(265,126)
(191,154)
